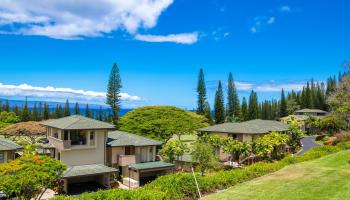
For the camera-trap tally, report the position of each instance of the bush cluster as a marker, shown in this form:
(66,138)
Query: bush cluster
(182,185)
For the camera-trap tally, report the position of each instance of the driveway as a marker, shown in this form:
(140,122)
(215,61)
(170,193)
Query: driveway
(307,144)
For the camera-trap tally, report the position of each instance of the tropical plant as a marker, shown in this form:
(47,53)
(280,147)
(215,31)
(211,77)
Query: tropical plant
(269,146)
(203,154)
(173,149)
(239,149)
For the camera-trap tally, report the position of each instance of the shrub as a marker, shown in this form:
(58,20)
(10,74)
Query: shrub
(341,137)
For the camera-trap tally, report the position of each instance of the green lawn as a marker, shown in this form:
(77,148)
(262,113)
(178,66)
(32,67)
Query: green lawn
(324,178)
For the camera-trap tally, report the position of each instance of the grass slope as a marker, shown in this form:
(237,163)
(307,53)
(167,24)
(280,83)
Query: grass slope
(324,178)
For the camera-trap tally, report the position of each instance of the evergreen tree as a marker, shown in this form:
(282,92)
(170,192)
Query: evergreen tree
(88,111)
(244,110)
(7,106)
(35,115)
(66,109)
(46,114)
(113,91)
(76,109)
(100,114)
(283,105)
(202,93)
(253,108)
(219,108)
(0,105)
(25,112)
(233,105)
(207,112)
(40,111)
(16,110)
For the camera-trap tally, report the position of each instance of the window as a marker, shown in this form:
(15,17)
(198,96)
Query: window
(92,138)
(2,157)
(78,137)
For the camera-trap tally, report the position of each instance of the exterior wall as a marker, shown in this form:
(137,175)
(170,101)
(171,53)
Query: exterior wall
(7,156)
(85,154)
(115,152)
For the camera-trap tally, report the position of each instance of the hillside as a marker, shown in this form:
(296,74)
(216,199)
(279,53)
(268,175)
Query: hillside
(325,178)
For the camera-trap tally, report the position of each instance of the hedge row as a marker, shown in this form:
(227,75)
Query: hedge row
(182,185)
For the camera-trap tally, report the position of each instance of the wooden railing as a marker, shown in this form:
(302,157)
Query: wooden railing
(60,144)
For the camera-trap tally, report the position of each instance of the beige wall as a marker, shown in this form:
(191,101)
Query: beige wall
(142,154)
(85,154)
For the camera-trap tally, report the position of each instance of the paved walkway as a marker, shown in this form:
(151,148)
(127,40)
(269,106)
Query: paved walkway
(308,143)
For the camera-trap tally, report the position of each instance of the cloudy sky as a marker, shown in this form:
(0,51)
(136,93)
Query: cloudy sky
(58,49)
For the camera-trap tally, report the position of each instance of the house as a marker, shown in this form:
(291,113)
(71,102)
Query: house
(247,131)
(311,112)
(303,115)
(80,143)
(135,157)
(8,150)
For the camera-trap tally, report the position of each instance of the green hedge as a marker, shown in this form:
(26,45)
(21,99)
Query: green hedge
(182,185)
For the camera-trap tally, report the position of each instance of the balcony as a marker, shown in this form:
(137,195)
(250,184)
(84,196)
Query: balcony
(125,160)
(60,144)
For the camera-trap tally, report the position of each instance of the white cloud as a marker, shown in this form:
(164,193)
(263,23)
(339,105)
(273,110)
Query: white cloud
(66,19)
(271,20)
(278,87)
(253,29)
(285,9)
(243,86)
(182,38)
(59,94)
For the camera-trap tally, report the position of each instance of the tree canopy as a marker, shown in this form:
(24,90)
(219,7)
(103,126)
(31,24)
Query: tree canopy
(161,122)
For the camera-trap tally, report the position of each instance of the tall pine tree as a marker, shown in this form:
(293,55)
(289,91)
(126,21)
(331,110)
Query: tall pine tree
(283,105)
(76,109)
(244,110)
(46,114)
(219,107)
(233,105)
(88,111)
(201,93)
(253,108)
(25,112)
(113,91)
(66,109)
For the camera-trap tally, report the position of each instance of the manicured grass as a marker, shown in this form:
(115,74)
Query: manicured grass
(324,178)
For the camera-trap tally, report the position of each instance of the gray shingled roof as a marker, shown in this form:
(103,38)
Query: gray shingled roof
(307,110)
(86,170)
(256,126)
(8,145)
(77,122)
(151,165)
(120,138)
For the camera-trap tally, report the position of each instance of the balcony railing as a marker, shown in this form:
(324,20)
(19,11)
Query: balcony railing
(60,144)
(125,160)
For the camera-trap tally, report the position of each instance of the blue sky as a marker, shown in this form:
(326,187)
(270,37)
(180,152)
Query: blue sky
(160,45)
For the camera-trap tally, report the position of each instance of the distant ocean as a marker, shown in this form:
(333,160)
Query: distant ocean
(52,105)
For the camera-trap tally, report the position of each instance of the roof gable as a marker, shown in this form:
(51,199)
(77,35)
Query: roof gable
(307,110)
(77,122)
(256,126)
(120,138)
(7,145)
